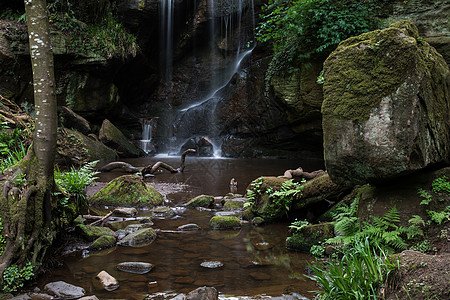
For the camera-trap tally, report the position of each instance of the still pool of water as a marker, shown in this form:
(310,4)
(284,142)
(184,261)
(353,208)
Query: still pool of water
(254,259)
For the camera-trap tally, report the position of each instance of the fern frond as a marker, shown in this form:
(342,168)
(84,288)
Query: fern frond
(417,220)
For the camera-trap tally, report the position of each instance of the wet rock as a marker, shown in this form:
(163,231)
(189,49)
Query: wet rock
(247,214)
(103,242)
(211,264)
(64,290)
(40,296)
(127,190)
(23,297)
(257,221)
(203,293)
(234,204)
(108,282)
(225,223)
(125,212)
(135,267)
(79,220)
(189,227)
(263,205)
(72,120)
(205,147)
(121,233)
(138,238)
(310,235)
(92,233)
(201,201)
(393,120)
(76,148)
(262,245)
(111,136)
(163,212)
(135,227)
(89,298)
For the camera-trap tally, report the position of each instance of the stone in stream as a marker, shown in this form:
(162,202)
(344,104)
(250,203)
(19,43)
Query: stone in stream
(139,238)
(103,242)
(108,282)
(135,267)
(203,293)
(189,227)
(163,212)
(93,297)
(218,222)
(211,264)
(125,212)
(91,233)
(135,227)
(64,290)
(201,201)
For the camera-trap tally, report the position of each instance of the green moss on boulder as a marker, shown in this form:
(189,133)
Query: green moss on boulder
(310,235)
(386,106)
(103,242)
(201,201)
(127,190)
(139,238)
(92,233)
(262,204)
(218,222)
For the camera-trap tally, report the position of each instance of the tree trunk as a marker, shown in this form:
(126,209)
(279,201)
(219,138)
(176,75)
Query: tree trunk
(26,210)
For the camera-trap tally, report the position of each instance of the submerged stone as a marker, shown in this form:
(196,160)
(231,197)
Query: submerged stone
(127,190)
(135,267)
(386,106)
(211,264)
(108,282)
(189,227)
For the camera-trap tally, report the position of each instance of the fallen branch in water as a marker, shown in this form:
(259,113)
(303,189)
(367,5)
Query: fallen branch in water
(148,170)
(289,174)
(102,219)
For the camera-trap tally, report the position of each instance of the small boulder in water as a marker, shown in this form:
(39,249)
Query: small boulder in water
(203,293)
(189,227)
(139,238)
(218,222)
(201,201)
(135,267)
(108,282)
(211,264)
(125,212)
(64,290)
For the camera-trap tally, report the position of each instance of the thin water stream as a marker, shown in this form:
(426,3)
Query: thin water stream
(255,260)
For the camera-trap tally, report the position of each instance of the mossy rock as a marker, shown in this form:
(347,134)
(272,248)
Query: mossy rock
(76,148)
(201,201)
(92,233)
(262,204)
(218,222)
(139,238)
(103,242)
(127,190)
(111,136)
(386,106)
(310,235)
(248,214)
(234,204)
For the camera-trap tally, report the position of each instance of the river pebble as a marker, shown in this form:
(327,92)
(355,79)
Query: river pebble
(135,267)
(211,264)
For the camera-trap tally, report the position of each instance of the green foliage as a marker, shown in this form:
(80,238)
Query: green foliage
(14,15)
(358,275)
(441,184)
(2,238)
(441,216)
(384,231)
(75,181)
(14,278)
(298,225)
(317,251)
(427,198)
(303,28)
(14,156)
(9,138)
(440,187)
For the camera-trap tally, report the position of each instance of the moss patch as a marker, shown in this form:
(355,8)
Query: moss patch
(218,222)
(366,68)
(103,242)
(310,235)
(139,238)
(127,190)
(92,233)
(201,201)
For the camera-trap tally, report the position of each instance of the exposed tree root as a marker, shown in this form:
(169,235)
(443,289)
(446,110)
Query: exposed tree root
(289,174)
(148,170)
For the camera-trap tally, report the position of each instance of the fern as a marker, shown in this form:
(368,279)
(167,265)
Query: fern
(417,220)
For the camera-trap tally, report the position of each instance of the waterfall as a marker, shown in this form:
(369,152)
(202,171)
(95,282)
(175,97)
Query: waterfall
(166,12)
(146,139)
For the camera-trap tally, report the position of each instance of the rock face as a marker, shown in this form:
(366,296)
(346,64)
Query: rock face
(386,106)
(127,190)
(111,136)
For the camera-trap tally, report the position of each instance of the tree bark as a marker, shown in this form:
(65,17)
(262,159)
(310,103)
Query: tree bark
(28,208)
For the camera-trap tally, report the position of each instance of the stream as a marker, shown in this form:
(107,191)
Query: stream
(255,260)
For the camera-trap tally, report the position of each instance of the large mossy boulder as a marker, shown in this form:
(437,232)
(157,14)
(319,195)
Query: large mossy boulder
(111,136)
(259,195)
(386,106)
(127,190)
(201,201)
(91,233)
(225,223)
(310,235)
(73,147)
(139,238)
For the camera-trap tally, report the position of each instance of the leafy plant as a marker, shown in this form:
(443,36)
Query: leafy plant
(358,275)
(297,225)
(14,278)
(303,28)
(13,157)
(76,180)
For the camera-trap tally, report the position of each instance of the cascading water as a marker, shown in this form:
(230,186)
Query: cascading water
(166,38)
(229,42)
(147,132)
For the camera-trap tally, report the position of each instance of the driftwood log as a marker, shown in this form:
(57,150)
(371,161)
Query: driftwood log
(148,170)
(289,174)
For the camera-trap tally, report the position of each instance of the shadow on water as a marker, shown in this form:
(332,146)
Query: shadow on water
(254,259)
